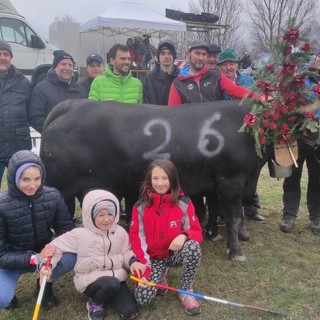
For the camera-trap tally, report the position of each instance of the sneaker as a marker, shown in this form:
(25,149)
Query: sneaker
(95,311)
(164,282)
(190,303)
(287,223)
(315,225)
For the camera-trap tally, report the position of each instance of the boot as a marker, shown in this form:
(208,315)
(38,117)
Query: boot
(315,225)
(287,223)
(48,300)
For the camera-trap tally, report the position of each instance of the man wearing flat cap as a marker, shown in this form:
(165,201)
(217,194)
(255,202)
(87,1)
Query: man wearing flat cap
(14,100)
(197,83)
(157,83)
(191,85)
(95,67)
(213,56)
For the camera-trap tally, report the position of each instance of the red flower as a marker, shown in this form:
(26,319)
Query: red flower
(289,67)
(263,140)
(281,141)
(261,131)
(292,36)
(250,119)
(313,69)
(309,115)
(266,113)
(285,127)
(265,123)
(299,81)
(272,125)
(305,47)
(276,116)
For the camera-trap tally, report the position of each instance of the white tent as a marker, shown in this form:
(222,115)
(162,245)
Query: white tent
(133,20)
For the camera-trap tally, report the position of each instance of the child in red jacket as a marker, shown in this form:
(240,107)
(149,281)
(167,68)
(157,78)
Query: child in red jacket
(165,232)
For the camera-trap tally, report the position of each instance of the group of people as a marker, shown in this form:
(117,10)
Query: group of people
(101,252)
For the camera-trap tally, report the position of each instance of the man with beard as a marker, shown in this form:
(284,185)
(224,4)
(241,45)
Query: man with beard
(117,83)
(198,83)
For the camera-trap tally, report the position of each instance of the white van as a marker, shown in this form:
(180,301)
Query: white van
(31,55)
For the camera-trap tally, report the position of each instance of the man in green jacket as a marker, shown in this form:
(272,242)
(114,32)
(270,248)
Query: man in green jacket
(117,83)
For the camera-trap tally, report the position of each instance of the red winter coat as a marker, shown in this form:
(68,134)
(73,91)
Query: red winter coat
(153,228)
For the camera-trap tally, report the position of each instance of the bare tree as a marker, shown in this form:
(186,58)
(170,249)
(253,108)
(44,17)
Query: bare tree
(229,12)
(268,18)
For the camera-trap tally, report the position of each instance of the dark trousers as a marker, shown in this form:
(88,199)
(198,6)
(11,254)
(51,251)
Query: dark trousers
(110,290)
(292,188)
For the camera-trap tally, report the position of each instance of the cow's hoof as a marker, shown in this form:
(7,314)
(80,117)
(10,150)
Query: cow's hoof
(241,258)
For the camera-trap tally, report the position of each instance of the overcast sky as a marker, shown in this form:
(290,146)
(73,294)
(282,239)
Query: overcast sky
(41,13)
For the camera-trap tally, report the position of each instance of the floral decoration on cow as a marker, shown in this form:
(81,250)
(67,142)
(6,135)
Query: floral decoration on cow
(286,111)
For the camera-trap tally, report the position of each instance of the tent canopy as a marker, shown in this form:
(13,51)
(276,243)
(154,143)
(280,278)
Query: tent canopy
(134,20)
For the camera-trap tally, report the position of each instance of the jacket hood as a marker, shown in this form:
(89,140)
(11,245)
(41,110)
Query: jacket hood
(90,200)
(16,161)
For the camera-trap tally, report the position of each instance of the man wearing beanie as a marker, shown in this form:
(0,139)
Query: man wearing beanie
(157,83)
(229,63)
(59,85)
(15,96)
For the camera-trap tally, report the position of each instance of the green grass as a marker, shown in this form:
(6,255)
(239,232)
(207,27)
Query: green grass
(281,273)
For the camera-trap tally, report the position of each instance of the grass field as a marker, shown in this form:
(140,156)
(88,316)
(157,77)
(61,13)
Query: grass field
(282,273)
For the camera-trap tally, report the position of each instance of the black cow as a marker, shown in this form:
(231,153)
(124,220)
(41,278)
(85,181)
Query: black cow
(88,144)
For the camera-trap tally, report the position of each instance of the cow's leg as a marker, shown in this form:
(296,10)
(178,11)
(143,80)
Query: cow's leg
(230,192)
(212,232)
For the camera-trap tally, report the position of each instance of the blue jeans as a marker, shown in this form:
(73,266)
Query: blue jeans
(9,278)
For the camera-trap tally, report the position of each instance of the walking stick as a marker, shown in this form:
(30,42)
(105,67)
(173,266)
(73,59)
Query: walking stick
(200,296)
(40,295)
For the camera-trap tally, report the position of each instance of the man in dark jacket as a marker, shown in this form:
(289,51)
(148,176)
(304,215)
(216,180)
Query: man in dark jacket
(14,98)
(59,85)
(95,67)
(28,210)
(157,83)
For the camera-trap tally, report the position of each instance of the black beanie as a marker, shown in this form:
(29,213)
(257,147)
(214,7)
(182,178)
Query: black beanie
(4,45)
(60,55)
(166,44)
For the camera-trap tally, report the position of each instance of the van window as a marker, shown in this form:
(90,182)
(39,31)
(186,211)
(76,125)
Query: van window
(13,30)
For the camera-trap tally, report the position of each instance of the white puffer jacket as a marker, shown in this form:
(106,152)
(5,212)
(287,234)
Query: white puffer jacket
(99,253)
